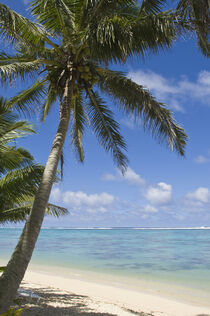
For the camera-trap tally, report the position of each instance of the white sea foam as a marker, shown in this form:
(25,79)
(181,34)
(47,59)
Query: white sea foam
(115,228)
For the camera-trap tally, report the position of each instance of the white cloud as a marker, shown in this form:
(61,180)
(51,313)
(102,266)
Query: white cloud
(174,92)
(200,195)
(102,204)
(201,159)
(109,177)
(159,194)
(130,176)
(81,201)
(56,194)
(204,78)
(131,122)
(150,209)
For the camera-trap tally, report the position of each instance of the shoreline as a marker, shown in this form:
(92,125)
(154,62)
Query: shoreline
(98,291)
(166,288)
(105,294)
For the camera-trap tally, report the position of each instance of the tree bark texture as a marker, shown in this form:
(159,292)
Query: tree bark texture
(16,267)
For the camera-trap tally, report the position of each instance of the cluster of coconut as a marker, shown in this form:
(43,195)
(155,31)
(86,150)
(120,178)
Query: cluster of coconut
(87,74)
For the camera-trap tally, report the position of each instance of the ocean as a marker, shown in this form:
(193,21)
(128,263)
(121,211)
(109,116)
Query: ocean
(176,258)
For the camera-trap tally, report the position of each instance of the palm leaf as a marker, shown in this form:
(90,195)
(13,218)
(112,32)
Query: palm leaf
(55,15)
(122,34)
(11,129)
(27,99)
(14,215)
(18,70)
(19,184)
(20,213)
(106,129)
(79,121)
(12,158)
(16,28)
(51,98)
(197,13)
(55,210)
(152,6)
(136,100)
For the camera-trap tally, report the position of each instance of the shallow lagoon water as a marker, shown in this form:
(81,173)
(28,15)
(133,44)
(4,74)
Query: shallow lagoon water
(172,256)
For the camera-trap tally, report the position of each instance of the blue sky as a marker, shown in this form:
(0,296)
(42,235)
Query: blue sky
(160,189)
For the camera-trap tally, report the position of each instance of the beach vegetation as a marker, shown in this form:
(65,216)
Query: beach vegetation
(20,176)
(13,312)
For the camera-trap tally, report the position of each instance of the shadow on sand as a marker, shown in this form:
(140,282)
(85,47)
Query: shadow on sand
(57,303)
(52,302)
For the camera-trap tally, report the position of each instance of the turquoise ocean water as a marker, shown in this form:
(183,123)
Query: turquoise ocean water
(171,256)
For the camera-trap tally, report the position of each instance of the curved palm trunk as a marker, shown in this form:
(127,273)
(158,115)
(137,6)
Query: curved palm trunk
(15,270)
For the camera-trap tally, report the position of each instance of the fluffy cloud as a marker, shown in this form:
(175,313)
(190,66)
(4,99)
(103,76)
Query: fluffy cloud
(130,176)
(152,204)
(150,209)
(201,195)
(56,194)
(160,194)
(81,201)
(174,92)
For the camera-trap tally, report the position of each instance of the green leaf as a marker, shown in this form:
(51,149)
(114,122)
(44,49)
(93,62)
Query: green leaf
(55,15)
(16,28)
(79,122)
(197,14)
(137,100)
(107,129)
(28,101)
(18,70)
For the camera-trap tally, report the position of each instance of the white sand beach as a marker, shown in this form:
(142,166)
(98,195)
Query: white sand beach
(60,295)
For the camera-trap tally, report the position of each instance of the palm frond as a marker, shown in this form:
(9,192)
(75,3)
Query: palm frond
(152,6)
(15,130)
(197,13)
(79,121)
(28,100)
(153,32)
(19,184)
(10,128)
(18,70)
(93,10)
(136,100)
(106,129)
(12,158)
(55,15)
(52,95)
(19,213)
(121,34)
(6,58)
(14,215)
(55,210)
(16,28)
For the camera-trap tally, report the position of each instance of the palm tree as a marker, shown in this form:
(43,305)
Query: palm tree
(19,175)
(67,51)
(197,13)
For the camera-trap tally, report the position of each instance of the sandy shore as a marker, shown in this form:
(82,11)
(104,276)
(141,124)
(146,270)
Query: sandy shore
(60,296)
